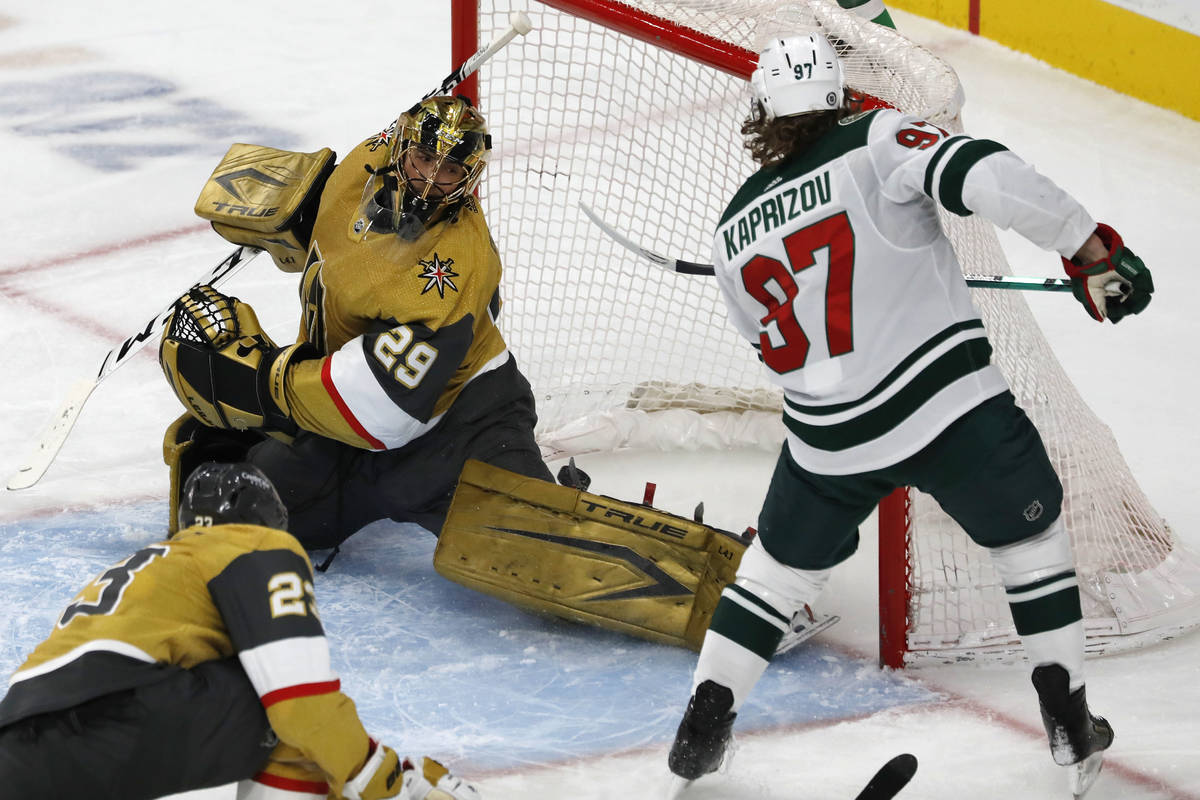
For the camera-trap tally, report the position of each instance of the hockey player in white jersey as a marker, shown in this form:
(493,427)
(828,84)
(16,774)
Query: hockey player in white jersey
(834,265)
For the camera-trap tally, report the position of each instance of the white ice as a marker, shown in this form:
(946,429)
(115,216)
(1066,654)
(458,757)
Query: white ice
(111,117)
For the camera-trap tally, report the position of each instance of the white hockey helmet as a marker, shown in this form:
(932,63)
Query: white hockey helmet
(798,74)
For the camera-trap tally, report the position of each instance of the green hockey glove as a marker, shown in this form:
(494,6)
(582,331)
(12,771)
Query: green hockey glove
(1092,283)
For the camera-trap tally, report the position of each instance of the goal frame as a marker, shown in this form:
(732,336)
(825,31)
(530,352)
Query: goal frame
(1142,585)
(894,566)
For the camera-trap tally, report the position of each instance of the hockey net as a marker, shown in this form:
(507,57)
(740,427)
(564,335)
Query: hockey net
(634,108)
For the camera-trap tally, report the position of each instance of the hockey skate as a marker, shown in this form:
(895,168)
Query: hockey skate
(1077,739)
(703,740)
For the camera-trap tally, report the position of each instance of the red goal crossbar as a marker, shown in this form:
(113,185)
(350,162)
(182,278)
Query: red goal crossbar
(737,61)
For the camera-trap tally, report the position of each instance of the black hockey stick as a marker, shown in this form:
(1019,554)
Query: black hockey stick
(890,779)
(697,268)
(884,784)
(46,448)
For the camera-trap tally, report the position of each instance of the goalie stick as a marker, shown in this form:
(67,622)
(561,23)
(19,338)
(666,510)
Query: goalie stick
(52,438)
(885,784)
(518,25)
(51,441)
(697,268)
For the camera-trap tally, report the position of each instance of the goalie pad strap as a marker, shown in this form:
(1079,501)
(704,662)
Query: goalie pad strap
(585,557)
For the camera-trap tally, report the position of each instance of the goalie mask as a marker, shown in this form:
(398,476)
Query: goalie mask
(796,75)
(218,494)
(436,160)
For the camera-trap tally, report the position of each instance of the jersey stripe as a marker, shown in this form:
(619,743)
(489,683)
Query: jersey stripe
(344,409)
(386,424)
(96,645)
(303,690)
(950,184)
(961,360)
(943,151)
(916,355)
(317,789)
(288,663)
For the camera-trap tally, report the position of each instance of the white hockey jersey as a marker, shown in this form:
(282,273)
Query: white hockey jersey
(834,265)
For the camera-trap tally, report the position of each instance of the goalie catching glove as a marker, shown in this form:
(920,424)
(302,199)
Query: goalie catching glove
(386,775)
(222,366)
(1089,282)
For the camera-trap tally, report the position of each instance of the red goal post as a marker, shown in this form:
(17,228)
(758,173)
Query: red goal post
(633,107)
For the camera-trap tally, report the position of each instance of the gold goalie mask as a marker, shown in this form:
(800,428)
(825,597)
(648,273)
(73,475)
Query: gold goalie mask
(436,158)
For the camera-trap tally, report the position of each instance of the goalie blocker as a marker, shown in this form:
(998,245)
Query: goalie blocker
(585,557)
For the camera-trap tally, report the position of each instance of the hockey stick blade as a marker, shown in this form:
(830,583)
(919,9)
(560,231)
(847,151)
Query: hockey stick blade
(697,268)
(46,448)
(890,779)
(884,784)
(669,264)
(51,440)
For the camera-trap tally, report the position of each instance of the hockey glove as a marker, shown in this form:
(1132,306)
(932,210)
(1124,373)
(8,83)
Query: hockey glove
(378,778)
(1090,282)
(222,366)
(426,779)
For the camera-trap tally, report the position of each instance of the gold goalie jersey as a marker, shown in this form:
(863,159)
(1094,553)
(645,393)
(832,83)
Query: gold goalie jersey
(402,326)
(205,594)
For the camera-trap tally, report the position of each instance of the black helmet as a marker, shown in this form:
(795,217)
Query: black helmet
(217,493)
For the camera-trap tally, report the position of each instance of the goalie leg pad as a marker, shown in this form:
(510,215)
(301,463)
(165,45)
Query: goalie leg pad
(585,557)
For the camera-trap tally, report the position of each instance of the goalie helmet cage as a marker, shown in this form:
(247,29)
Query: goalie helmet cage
(634,109)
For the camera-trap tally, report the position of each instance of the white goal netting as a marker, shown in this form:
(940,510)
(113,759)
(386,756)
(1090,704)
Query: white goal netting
(621,352)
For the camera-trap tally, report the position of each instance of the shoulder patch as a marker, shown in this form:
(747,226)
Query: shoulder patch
(383,138)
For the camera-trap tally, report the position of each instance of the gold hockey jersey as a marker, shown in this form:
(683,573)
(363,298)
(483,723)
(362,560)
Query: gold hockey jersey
(401,326)
(207,593)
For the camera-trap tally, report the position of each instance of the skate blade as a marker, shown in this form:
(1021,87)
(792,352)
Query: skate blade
(677,787)
(1081,776)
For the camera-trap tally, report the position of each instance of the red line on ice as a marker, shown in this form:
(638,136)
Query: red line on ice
(101,250)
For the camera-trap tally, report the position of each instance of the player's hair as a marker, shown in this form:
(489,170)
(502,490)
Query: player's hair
(781,138)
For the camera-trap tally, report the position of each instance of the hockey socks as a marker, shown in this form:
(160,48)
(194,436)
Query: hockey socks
(1043,595)
(754,613)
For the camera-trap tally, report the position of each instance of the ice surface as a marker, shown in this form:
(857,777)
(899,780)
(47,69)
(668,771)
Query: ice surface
(112,116)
